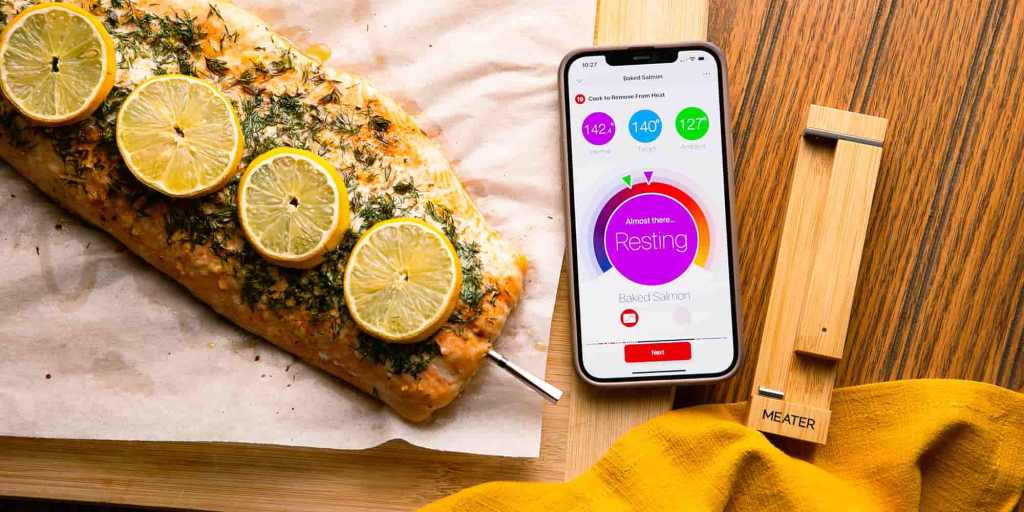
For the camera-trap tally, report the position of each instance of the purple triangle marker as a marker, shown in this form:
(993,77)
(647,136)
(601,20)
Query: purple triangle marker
(648,175)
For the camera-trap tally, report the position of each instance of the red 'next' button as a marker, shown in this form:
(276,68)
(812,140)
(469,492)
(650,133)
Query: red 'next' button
(645,352)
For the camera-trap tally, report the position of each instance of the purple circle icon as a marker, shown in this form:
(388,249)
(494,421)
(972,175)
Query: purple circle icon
(598,128)
(651,239)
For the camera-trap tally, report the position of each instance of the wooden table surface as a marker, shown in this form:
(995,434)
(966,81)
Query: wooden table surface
(941,286)
(941,290)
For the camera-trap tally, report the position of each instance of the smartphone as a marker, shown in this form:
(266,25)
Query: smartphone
(650,223)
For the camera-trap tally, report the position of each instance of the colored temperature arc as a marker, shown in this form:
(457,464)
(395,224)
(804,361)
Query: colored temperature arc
(664,189)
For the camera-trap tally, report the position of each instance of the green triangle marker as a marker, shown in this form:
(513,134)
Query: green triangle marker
(628,180)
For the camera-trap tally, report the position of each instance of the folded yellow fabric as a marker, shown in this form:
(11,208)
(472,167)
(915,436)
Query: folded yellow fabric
(930,445)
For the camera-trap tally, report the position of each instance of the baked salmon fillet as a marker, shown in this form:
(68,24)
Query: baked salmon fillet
(283,98)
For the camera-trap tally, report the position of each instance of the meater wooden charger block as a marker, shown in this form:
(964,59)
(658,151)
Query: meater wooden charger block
(816,273)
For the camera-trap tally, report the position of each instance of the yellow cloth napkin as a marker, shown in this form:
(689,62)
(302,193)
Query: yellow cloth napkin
(928,445)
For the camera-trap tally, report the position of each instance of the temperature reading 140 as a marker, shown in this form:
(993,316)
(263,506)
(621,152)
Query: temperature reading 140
(645,126)
(649,126)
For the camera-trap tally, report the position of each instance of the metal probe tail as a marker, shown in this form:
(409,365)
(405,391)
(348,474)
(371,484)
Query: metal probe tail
(549,392)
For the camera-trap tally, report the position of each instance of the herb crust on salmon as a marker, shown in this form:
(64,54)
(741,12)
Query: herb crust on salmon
(283,98)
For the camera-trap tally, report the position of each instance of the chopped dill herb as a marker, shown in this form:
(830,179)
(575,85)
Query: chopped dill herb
(406,187)
(317,291)
(343,124)
(322,285)
(247,76)
(291,118)
(332,97)
(281,65)
(365,155)
(379,123)
(473,290)
(258,282)
(228,35)
(179,33)
(289,105)
(408,194)
(168,40)
(106,116)
(443,216)
(350,178)
(95,136)
(196,221)
(216,66)
(16,129)
(379,207)
(214,11)
(400,358)
(129,44)
(356,201)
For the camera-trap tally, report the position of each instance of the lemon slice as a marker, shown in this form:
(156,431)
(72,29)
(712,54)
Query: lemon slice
(179,135)
(57,63)
(293,207)
(402,280)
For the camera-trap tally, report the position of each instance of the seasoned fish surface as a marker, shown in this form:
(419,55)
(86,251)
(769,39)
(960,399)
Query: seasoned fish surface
(283,98)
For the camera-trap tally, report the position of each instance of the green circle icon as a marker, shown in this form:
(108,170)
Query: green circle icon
(691,123)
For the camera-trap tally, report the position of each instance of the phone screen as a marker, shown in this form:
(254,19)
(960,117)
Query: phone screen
(649,200)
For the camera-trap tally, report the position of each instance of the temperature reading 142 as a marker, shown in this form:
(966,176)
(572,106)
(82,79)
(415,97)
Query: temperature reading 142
(598,128)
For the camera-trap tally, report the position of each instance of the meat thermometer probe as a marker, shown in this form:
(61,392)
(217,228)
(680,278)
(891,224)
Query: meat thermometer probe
(544,389)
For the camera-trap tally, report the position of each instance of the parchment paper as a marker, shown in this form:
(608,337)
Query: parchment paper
(96,344)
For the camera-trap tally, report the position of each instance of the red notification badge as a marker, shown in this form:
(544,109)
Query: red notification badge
(580,99)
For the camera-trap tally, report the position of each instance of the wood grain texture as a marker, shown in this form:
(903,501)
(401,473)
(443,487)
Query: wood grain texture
(941,279)
(842,226)
(941,286)
(621,22)
(598,416)
(815,276)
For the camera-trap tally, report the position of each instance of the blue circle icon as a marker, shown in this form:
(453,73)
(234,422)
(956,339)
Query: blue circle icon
(645,126)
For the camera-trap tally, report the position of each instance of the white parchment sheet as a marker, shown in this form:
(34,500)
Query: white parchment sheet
(96,344)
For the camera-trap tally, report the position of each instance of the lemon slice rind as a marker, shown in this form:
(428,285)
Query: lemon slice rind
(372,263)
(92,100)
(130,124)
(330,236)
